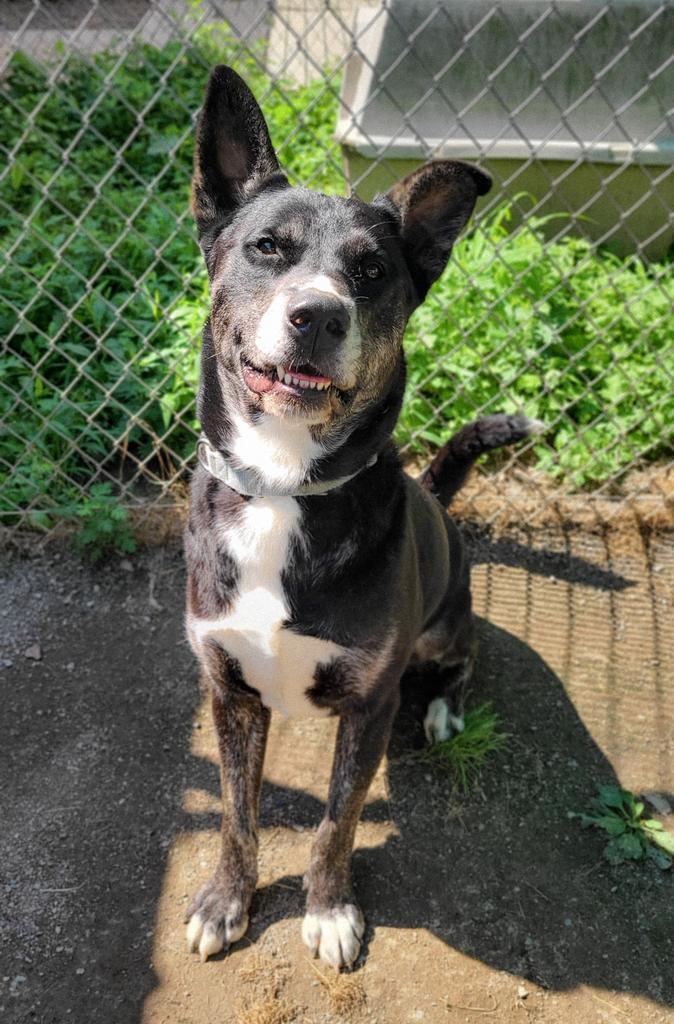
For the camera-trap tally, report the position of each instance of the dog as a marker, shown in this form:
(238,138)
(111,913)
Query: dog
(317,569)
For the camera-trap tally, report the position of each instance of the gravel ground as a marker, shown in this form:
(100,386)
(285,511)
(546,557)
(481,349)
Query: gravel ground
(495,904)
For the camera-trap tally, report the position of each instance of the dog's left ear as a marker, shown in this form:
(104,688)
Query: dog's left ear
(233,153)
(435,203)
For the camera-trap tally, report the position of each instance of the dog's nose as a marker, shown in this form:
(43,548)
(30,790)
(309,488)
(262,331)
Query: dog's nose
(317,319)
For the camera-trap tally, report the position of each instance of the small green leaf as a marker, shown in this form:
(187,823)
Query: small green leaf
(613,825)
(662,859)
(612,796)
(613,852)
(585,819)
(665,840)
(631,845)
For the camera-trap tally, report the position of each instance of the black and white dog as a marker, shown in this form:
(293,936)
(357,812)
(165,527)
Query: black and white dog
(317,570)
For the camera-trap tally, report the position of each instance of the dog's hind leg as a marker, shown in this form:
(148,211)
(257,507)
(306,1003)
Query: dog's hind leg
(333,926)
(444,715)
(448,649)
(218,914)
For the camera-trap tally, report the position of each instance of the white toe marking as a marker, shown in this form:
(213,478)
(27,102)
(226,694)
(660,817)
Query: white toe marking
(436,722)
(234,934)
(203,937)
(194,932)
(311,931)
(457,722)
(440,722)
(335,935)
(212,941)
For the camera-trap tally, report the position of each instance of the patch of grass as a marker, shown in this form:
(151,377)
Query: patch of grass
(463,756)
(268,1010)
(345,992)
(265,1004)
(630,836)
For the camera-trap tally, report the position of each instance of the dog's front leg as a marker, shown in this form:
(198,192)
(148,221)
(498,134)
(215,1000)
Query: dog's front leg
(333,925)
(218,914)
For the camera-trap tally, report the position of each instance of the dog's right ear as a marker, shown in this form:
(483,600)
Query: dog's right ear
(233,154)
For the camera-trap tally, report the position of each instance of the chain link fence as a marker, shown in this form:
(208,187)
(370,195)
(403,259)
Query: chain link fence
(558,302)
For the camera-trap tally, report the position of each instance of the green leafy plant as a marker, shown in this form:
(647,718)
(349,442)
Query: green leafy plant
(630,836)
(462,757)
(104,294)
(576,338)
(105,523)
(103,291)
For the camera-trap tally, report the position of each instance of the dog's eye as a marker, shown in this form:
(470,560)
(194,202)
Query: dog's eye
(372,269)
(267,246)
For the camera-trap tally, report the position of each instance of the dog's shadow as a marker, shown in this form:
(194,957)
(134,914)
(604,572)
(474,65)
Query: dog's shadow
(504,874)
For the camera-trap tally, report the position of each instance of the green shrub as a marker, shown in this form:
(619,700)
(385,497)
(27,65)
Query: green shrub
(579,339)
(104,524)
(102,272)
(103,269)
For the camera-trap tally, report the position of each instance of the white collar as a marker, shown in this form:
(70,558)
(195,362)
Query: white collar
(247,481)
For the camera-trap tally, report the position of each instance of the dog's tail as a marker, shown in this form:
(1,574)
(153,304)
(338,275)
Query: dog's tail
(450,467)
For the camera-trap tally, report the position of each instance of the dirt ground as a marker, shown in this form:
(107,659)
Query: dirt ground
(495,906)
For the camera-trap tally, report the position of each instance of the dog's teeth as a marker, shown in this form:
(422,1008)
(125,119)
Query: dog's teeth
(288,378)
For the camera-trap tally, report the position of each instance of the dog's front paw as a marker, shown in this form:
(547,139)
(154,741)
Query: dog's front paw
(440,724)
(334,934)
(216,917)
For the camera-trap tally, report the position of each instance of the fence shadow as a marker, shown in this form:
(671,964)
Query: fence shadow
(98,746)
(94,756)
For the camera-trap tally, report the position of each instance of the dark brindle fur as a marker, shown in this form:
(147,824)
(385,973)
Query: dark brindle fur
(317,603)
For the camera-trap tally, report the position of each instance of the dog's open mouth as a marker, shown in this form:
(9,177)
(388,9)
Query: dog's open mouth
(304,380)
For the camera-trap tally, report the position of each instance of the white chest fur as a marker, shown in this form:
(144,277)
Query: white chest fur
(277,662)
(280,450)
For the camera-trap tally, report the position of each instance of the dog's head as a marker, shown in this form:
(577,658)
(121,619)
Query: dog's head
(310,293)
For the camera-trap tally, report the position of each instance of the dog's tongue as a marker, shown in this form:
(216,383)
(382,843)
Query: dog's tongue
(256,381)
